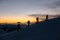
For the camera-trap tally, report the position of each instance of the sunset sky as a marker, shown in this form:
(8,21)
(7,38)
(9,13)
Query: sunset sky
(12,11)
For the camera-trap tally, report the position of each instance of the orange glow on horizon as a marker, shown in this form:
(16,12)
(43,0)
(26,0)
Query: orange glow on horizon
(23,19)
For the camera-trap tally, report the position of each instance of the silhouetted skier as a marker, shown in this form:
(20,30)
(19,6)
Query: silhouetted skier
(37,19)
(28,22)
(18,26)
(46,17)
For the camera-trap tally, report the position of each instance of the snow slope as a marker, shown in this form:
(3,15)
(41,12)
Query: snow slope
(46,30)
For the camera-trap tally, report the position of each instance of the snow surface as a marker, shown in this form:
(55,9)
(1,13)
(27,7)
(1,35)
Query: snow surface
(47,30)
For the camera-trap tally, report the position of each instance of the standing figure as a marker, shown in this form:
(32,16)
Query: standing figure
(28,22)
(18,26)
(37,19)
(46,17)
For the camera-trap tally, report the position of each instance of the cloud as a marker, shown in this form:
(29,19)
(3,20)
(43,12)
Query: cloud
(0,1)
(30,7)
(57,3)
(36,15)
(54,4)
(43,16)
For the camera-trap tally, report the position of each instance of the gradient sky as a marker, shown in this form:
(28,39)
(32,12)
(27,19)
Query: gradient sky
(19,8)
